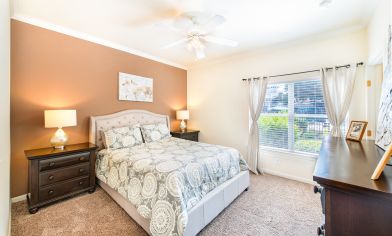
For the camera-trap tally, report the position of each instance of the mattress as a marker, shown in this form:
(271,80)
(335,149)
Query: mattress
(164,180)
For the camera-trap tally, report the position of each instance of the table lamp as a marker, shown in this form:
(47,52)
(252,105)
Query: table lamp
(182,115)
(59,119)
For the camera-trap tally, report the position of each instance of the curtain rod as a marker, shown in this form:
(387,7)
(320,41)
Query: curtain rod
(303,72)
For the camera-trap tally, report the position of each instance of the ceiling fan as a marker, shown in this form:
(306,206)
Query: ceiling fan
(197,28)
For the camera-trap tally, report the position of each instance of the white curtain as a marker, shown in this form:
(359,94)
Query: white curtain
(338,87)
(257,91)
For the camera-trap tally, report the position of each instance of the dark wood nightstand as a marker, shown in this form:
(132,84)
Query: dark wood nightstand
(56,174)
(192,135)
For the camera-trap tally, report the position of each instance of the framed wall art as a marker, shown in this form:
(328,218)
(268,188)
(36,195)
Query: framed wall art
(135,88)
(384,122)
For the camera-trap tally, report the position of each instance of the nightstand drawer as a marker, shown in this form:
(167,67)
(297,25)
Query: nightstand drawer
(67,160)
(62,188)
(190,136)
(56,175)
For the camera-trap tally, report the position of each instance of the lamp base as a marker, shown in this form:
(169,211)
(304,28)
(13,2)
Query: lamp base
(59,147)
(183,126)
(59,139)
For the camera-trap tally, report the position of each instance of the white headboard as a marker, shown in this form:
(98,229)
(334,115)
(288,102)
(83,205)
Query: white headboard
(120,119)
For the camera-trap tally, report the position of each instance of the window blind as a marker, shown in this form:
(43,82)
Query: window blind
(294,116)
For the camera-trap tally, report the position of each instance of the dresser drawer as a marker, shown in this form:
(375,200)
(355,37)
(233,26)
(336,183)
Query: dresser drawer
(62,188)
(67,160)
(56,175)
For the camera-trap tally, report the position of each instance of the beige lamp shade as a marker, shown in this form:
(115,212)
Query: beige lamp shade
(60,118)
(182,115)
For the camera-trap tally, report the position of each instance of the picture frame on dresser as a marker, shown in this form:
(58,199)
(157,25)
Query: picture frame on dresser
(356,130)
(382,163)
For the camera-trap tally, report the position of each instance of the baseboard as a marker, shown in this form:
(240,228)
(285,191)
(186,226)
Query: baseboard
(19,198)
(287,176)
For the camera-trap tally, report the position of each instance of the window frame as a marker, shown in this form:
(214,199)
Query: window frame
(291,116)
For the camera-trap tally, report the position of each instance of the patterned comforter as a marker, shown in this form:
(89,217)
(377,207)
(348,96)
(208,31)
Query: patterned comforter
(165,179)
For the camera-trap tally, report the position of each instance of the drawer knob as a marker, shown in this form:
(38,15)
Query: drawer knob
(82,158)
(81,183)
(50,192)
(317,189)
(81,170)
(51,164)
(51,177)
(321,230)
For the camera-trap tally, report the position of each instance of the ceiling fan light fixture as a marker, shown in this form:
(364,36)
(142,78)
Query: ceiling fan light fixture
(195,43)
(197,46)
(198,27)
(200,53)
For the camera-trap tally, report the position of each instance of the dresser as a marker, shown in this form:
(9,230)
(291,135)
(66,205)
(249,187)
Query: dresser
(56,174)
(353,203)
(192,135)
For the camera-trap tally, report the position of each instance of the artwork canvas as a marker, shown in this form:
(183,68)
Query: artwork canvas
(135,88)
(384,123)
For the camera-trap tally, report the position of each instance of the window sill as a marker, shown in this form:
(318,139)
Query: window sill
(302,155)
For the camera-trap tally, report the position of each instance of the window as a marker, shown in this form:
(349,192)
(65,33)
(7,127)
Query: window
(294,116)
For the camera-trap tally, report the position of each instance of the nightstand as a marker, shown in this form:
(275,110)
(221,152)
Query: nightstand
(56,174)
(192,135)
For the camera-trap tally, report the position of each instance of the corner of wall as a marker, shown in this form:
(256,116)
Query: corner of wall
(5,206)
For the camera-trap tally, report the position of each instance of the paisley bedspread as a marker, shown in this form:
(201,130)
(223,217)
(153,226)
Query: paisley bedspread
(165,179)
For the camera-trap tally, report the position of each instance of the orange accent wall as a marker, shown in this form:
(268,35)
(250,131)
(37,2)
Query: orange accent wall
(50,70)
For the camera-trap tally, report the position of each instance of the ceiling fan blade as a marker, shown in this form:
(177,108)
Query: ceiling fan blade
(183,23)
(221,41)
(176,43)
(213,23)
(200,54)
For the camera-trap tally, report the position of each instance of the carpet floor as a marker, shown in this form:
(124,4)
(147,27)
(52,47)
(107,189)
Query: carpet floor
(272,206)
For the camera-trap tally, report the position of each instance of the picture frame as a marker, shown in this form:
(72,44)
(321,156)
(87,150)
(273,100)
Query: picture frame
(134,88)
(382,163)
(384,122)
(356,130)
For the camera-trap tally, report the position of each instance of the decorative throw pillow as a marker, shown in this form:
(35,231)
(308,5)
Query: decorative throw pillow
(155,132)
(122,137)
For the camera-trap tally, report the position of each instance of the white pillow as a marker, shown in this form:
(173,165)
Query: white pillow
(122,137)
(155,132)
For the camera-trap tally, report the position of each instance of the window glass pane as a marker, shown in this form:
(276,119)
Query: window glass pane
(276,99)
(310,122)
(308,97)
(273,131)
(309,133)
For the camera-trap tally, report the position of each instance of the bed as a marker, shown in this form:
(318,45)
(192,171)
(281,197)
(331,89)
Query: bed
(171,186)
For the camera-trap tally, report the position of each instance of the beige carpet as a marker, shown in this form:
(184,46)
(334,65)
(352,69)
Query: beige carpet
(272,206)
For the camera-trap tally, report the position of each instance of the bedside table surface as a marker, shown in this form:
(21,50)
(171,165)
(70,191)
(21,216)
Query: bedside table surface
(50,151)
(185,132)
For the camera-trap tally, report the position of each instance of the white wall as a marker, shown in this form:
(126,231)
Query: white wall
(4,117)
(217,98)
(378,31)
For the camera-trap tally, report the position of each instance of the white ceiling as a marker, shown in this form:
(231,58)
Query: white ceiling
(140,24)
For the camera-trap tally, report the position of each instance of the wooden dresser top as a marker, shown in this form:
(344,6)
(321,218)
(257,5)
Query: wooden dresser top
(50,151)
(349,165)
